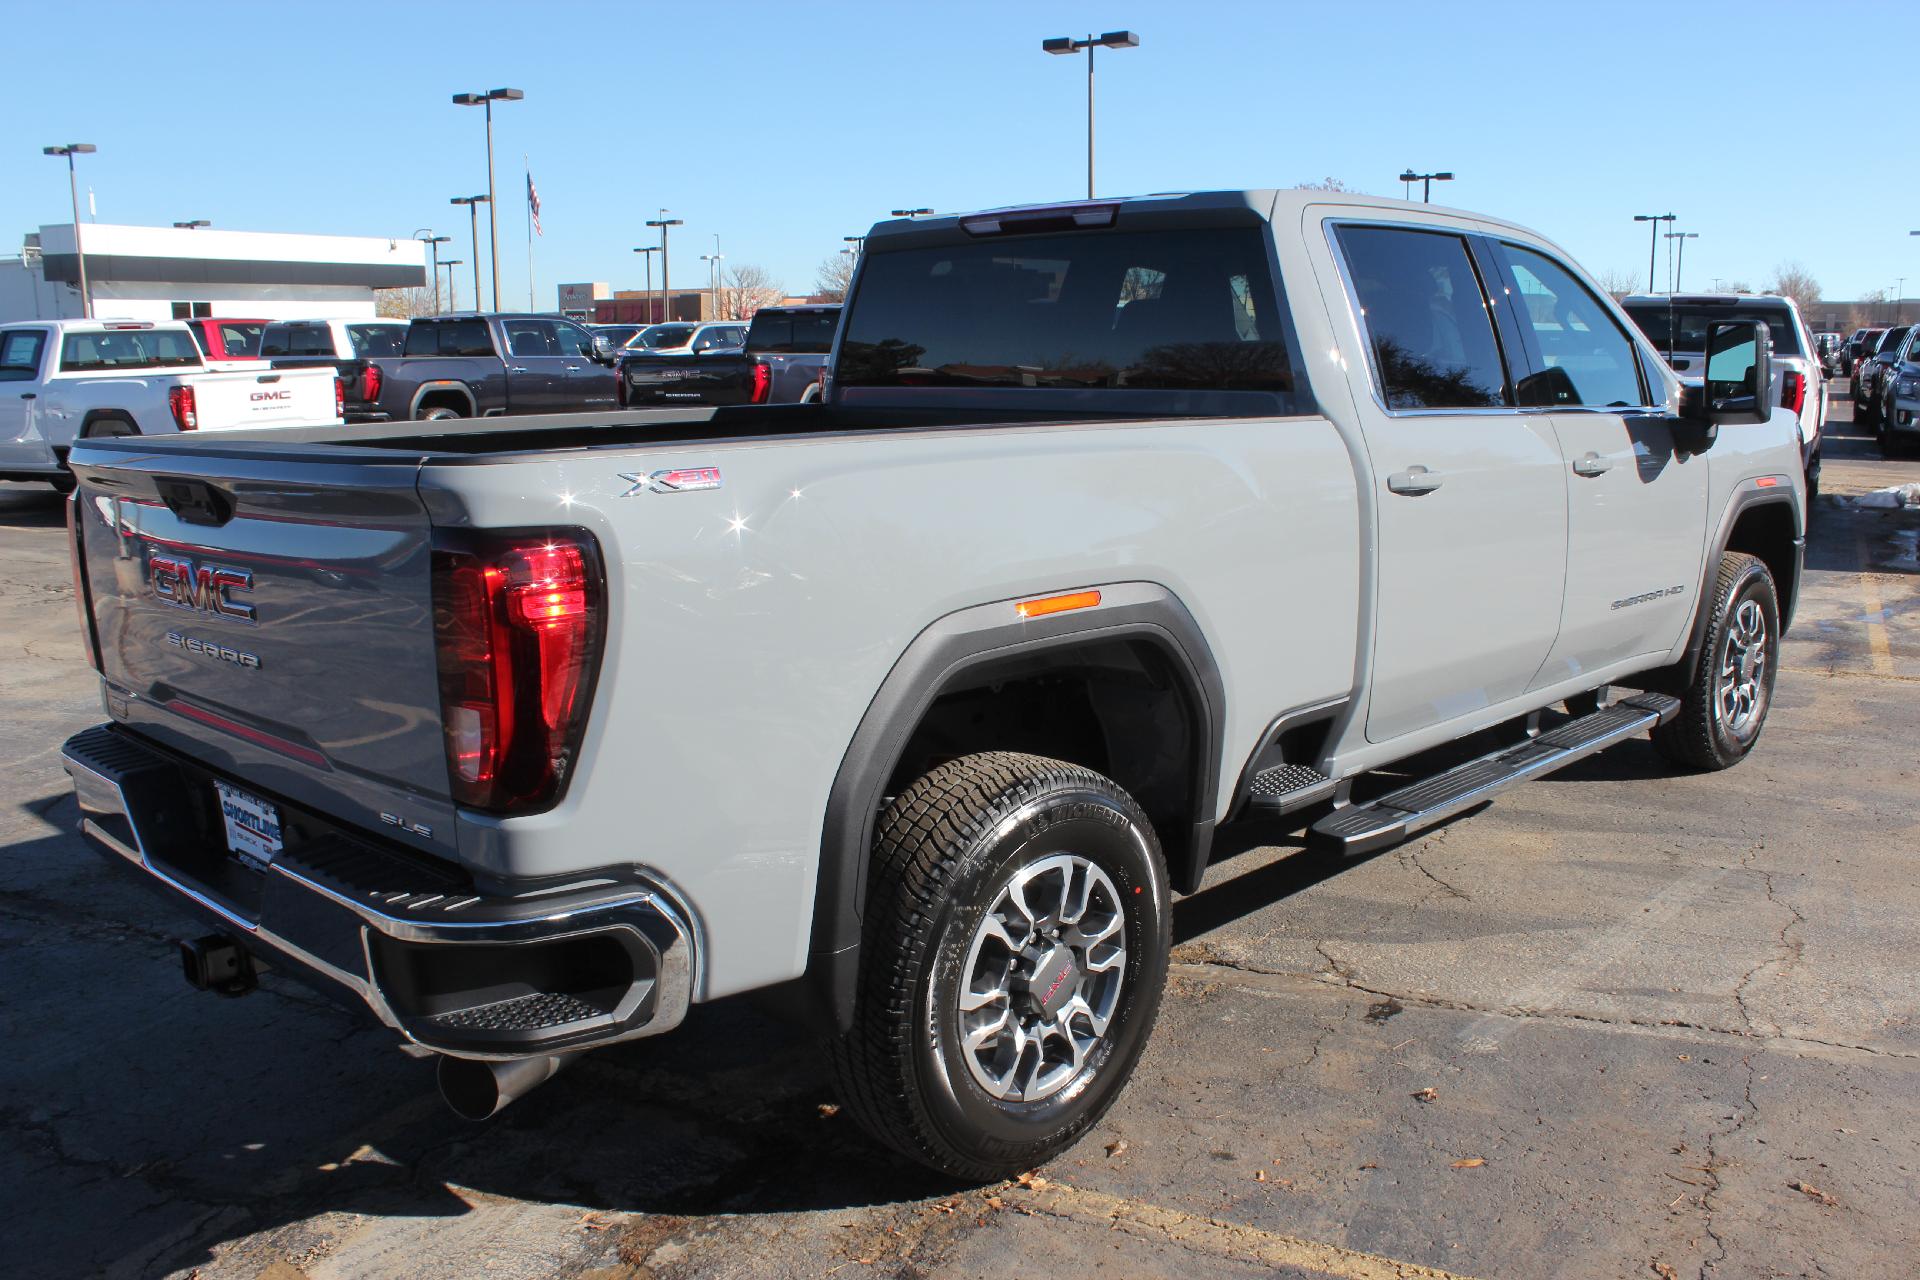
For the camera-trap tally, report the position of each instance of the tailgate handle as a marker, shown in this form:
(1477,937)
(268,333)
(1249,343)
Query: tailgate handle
(195,501)
(268,377)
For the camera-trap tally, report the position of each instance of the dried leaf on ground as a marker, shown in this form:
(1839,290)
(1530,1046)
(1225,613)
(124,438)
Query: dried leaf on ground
(1427,1094)
(1117,1147)
(1471,1162)
(1812,1192)
(1033,1181)
(1259,1175)
(1665,1272)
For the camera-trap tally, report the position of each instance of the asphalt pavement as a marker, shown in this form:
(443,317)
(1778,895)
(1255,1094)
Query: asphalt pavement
(1619,1023)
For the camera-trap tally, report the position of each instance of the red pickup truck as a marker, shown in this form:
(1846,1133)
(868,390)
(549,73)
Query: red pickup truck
(227,339)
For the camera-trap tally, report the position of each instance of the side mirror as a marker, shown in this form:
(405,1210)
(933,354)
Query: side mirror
(1737,390)
(602,348)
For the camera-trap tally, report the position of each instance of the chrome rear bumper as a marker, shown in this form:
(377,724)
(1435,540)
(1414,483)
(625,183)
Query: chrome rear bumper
(542,970)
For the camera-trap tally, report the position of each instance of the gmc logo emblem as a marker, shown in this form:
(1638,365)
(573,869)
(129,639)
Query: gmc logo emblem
(202,588)
(258,396)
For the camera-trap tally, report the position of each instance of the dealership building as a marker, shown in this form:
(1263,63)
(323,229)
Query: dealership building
(161,273)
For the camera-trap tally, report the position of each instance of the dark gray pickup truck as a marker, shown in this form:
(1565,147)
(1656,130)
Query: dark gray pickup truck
(785,353)
(483,366)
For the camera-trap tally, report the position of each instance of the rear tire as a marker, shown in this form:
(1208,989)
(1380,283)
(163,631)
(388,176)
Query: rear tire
(437,413)
(996,879)
(1724,707)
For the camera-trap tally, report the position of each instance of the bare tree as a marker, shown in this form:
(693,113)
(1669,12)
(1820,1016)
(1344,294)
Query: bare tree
(745,289)
(1325,184)
(1619,283)
(1871,311)
(834,276)
(1796,282)
(402,304)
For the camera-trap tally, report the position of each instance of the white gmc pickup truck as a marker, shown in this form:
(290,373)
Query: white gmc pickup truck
(1118,521)
(65,380)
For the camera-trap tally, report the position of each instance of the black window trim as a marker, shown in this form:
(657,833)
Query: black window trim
(1636,339)
(1375,382)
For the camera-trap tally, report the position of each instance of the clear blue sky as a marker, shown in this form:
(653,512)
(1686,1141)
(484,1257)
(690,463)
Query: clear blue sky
(785,126)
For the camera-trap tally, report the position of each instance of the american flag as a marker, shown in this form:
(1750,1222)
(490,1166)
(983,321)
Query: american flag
(533,203)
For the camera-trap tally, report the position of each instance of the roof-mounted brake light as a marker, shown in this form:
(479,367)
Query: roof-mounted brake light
(1067,217)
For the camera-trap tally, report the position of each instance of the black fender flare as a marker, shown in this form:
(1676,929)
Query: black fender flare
(448,386)
(1745,499)
(946,649)
(96,416)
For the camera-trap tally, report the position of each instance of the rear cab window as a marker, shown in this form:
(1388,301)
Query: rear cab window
(793,332)
(1679,327)
(1175,309)
(371,340)
(241,339)
(97,350)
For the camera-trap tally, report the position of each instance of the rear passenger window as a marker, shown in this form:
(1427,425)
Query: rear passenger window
(530,338)
(1426,319)
(450,338)
(1579,354)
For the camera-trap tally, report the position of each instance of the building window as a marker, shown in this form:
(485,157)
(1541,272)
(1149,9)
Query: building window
(192,310)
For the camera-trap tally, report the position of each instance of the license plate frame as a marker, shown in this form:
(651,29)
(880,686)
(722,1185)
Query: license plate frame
(253,829)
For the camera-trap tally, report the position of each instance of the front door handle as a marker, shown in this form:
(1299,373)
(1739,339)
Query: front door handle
(1592,465)
(29,395)
(1414,480)
(574,368)
(516,368)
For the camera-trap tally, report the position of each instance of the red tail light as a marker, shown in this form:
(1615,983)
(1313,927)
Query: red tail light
(370,380)
(186,415)
(518,624)
(1793,391)
(339,398)
(762,382)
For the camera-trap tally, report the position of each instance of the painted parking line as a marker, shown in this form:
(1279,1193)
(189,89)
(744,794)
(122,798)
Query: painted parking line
(1878,644)
(1213,1236)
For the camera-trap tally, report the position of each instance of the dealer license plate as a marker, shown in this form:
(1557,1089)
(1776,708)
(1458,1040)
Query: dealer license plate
(253,825)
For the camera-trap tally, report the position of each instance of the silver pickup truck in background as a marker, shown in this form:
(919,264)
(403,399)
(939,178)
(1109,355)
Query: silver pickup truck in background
(1120,520)
(65,380)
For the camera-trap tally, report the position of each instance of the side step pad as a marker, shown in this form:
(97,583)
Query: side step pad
(1286,787)
(1361,829)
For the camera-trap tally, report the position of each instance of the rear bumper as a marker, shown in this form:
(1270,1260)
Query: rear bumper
(473,974)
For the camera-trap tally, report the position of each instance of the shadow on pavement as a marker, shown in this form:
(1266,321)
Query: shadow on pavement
(31,507)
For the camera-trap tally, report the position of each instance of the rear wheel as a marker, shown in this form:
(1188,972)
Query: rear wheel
(1725,706)
(437,413)
(1013,955)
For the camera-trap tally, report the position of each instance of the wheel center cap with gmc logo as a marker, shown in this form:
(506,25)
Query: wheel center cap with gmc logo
(1056,977)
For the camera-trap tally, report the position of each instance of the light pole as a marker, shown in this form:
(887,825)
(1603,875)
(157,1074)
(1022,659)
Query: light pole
(487,100)
(1899,288)
(649,250)
(1653,244)
(1426,181)
(713,279)
(1066,45)
(71,150)
(194,225)
(1680,260)
(433,243)
(666,287)
(473,204)
(453,290)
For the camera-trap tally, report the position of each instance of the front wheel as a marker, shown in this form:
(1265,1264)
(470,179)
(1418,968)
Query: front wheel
(1725,706)
(1014,950)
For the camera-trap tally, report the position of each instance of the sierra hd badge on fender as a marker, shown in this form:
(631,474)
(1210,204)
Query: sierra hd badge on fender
(681,480)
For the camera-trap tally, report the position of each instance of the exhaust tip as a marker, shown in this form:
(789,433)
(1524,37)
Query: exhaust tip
(481,1090)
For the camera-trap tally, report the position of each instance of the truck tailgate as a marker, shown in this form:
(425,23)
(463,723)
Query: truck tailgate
(273,619)
(267,398)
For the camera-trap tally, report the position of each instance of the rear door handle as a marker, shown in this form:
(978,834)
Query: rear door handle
(516,368)
(1592,465)
(574,368)
(1414,480)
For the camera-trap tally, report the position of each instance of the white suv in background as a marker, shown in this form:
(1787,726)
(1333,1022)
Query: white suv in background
(1676,325)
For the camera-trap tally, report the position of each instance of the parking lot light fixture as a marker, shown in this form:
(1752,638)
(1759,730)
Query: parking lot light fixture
(70,150)
(859,244)
(1680,258)
(1108,40)
(907,213)
(649,250)
(486,100)
(194,225)
(473,204)
(433,243)
(666,288)
(453,290)
(1653,243)
(1426,180)
(713,261)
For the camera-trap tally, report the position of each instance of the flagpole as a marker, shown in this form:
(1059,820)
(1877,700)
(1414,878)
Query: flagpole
(525,163)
